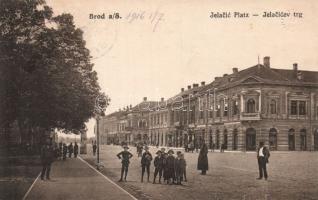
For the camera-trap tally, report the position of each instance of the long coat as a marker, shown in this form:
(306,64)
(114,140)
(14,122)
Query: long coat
(169,167)
(203,163)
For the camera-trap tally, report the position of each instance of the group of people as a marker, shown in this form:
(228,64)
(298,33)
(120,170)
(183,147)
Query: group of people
(172,169)
(67,149)
(50,152)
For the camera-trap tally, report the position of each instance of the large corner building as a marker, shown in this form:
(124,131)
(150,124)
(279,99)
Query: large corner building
(260,103)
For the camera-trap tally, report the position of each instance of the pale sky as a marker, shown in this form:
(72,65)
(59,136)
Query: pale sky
(173,44)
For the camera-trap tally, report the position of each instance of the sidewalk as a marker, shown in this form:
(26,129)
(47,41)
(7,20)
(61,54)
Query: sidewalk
(75,179)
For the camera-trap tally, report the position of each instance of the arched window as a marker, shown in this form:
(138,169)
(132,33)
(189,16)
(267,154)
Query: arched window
(291,139)
(217,139)
(235,139)
(273,139)
(303,140)
(225,139)
(250,106)
(273,107)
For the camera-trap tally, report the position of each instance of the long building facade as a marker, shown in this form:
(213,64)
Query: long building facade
(237,110)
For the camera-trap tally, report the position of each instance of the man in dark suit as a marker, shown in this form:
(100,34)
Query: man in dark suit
(47,157)
(262,158)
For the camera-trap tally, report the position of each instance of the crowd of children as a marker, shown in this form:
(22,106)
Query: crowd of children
(169,167)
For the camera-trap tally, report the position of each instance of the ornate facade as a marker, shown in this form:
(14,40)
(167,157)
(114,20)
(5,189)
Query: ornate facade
(260,103)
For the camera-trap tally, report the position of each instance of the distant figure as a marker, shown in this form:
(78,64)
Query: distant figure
(213,147)
(145,163)
(47,157)
(159,164)
(192,147)
(139,150)
(203,163)
(70,150)
(61,150)
(222,148)
(170,173)
(75,150)
(124,155)
(94,148)
(262,158)
(64,151)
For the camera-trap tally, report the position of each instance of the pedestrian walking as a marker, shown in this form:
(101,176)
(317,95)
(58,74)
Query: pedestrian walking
(170,171)
(159,165)
(203,163)
(94,148)
(124,155)
(70,150)
(47,157)
(75,150)
(64,151)
(145,163)
(213,147)
(262,158)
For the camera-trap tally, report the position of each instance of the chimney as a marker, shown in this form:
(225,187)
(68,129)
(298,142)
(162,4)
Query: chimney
(162,99)
(224,75)
(145,98)
(127,108)
(193,85)
(295,67)
(182,89)
(235,70)
(202,83)
(217,78)
(189,87)
(266,62)
(130,106)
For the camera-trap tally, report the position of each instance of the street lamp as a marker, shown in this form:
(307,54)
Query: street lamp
(101,102)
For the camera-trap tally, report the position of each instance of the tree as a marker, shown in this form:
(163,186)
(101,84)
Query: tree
(46,76)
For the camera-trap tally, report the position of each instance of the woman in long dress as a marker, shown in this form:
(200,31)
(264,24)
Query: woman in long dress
(203,163)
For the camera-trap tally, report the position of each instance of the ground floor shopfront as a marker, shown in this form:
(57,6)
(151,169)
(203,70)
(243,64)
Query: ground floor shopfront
(241,136)
(281,136)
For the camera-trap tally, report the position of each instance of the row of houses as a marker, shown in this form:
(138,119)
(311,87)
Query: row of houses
(238,110)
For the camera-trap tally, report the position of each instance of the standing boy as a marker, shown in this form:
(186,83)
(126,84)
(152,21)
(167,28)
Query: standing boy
(159,164)
(145,163)
(124,156)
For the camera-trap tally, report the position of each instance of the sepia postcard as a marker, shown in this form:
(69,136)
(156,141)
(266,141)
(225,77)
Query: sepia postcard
(158,100)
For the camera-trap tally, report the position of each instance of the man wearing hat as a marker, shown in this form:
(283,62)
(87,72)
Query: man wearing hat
(124,155)
(159,164)
(262,158)
(145,163)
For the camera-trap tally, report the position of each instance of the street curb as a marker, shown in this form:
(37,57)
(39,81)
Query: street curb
(112,182)
(31,187)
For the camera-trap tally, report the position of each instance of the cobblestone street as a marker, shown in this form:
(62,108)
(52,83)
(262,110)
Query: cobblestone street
(231,175)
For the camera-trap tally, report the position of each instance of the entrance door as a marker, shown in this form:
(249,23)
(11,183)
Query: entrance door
(217,139)
(225,140)
(273,139)
(303,140)
(291,140)
(250,139)
(316,140)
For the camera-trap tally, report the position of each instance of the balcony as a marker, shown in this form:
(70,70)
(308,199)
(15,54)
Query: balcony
(250,116)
